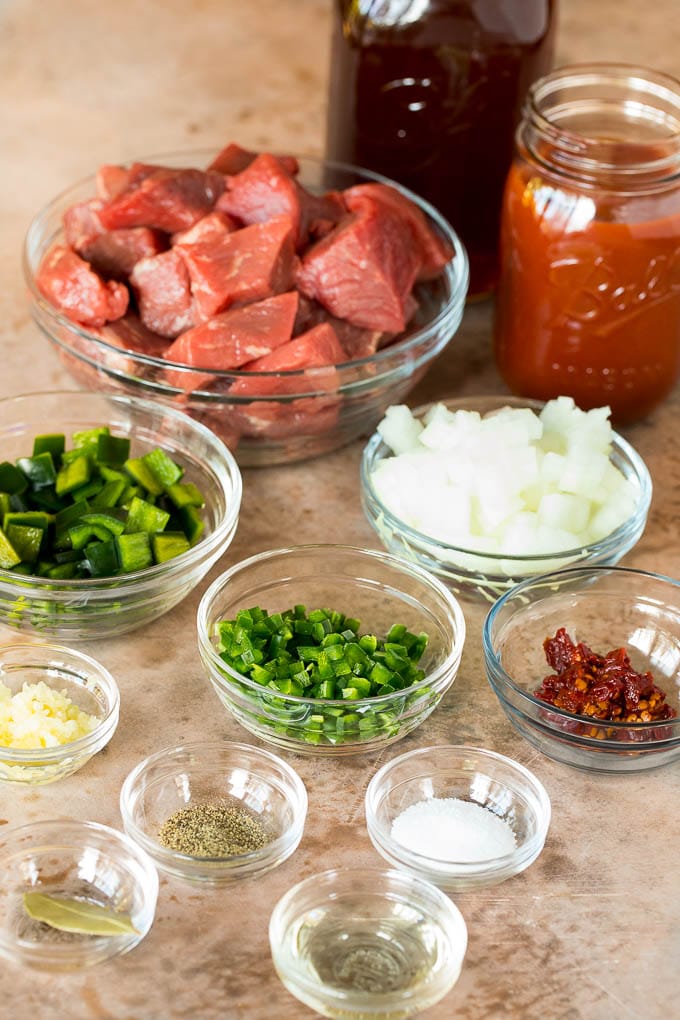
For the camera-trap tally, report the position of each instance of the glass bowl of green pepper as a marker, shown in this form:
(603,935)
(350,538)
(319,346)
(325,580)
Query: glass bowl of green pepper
(112,509)
(329,649)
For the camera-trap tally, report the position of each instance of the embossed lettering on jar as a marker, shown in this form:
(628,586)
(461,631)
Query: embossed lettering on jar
(589,300)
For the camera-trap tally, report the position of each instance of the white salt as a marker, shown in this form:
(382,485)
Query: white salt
(449,829)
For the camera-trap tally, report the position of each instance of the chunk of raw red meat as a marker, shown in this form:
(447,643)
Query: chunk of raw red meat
(355,341)
(215,224)
(317,349)
(265,190)
(112,253)
(363,271)
(433,250)
(247,265)
(169,200)
(130,334)
(271,419)
(232,339)
(112,180)
(233,159)
(76,290)
(163,291)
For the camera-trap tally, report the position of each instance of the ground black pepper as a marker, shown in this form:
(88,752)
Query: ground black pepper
(213,830)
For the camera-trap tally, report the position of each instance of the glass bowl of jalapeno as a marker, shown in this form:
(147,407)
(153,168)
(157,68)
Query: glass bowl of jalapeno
(112,509)
(329,649)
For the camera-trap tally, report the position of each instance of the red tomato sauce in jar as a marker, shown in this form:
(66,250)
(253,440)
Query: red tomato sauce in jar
(589,298)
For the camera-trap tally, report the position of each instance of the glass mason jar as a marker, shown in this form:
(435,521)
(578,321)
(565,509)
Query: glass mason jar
(589,297)
(429,92)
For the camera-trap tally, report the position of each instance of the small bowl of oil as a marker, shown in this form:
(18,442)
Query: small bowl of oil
(367,943)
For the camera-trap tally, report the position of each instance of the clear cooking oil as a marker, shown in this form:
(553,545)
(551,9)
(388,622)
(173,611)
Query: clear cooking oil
(370,958)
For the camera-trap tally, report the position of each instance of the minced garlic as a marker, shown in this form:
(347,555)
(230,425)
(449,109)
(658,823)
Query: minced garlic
(40,716)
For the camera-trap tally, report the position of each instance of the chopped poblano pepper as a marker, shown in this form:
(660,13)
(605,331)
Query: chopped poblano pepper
(320,655)
(93,510)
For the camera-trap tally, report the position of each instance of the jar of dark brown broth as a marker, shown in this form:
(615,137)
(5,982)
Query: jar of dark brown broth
(429,92)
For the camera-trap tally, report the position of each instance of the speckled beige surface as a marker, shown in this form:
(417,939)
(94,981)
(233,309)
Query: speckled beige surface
(592,930)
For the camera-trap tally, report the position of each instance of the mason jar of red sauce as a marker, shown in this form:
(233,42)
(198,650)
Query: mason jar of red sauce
(429,92)
(588,303)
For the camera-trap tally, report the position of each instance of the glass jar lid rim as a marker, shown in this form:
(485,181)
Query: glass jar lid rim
(653,99)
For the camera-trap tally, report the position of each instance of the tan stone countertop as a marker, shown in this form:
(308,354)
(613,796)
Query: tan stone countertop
(592,929)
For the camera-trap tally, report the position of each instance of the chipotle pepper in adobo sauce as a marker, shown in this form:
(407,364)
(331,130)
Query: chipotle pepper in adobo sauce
(429,92)
(589,297)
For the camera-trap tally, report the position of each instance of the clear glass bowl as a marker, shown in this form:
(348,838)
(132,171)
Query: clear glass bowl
(89,608)
(71,860)
(495,782)
(89,686)
(377,589)
(207,772)
(315,422)
(483,575)
(366,944)
(606,608)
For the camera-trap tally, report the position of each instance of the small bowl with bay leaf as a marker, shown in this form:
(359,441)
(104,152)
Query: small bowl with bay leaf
(72,894)
(214,811)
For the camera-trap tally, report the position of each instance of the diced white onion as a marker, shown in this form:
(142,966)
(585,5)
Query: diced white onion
(513,483)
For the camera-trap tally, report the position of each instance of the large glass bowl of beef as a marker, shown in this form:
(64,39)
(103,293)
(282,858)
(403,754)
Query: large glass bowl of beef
(303,402)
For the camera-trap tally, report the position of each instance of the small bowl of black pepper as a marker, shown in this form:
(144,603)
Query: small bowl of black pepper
(214,811)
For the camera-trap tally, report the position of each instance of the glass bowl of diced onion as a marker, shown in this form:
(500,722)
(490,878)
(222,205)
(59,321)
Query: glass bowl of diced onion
(523,489)
(292,415)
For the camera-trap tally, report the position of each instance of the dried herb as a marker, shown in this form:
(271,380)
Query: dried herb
(78,916)
(213,830)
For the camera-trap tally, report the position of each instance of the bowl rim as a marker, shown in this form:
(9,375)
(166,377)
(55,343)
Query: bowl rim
(442,867)
(91,742)
(295,795)
(218,667)
(457,272)
(123,584)
(450,921)
(609,543)
(499,678)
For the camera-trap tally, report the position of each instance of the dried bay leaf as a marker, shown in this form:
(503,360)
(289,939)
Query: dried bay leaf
(77,916)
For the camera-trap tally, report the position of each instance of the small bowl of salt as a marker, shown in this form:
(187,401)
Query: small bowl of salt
(460,817)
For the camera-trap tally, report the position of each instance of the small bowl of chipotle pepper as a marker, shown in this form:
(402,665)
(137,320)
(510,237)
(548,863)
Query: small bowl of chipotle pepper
(585,665)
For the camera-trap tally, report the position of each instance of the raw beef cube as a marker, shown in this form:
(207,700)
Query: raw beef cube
(116,252)
(76,290)
(169,200)
(233,159)
(215,224)
(232,339)
(355,341)
(317,349)
(433,250)
(162,288)
(363,271)
(130,334)
(112,180)
(265,190)
(82,224)
(323,213)
(247,265)
(112,253)
(270,419)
